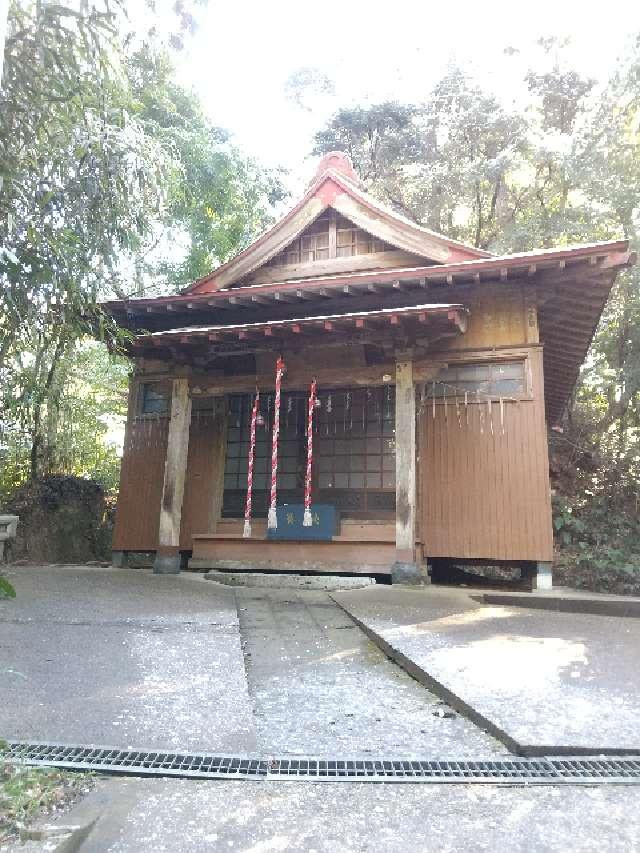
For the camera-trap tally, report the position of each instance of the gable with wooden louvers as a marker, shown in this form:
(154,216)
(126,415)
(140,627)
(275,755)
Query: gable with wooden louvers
(332,244)
(334,224)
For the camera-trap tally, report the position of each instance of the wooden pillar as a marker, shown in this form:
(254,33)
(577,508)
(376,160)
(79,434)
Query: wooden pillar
(405,569)
(168,554)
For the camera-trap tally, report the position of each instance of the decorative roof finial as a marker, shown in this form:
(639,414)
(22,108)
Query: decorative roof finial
(338,161)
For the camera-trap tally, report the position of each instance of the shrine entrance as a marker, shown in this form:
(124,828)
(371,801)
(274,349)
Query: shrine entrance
(354,452)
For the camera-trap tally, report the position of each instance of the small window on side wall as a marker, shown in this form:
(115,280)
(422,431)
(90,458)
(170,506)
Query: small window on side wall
(496,379)
(154,398)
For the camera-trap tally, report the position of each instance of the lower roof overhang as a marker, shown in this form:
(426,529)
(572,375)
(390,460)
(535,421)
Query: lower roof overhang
(569,285)
(396,327)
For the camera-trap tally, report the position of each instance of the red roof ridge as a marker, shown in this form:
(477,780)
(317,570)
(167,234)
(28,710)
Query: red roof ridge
(334,169)
(338,162)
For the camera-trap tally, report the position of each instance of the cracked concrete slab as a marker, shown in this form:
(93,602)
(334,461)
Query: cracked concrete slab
(320,687)
(550,682)
(124,659)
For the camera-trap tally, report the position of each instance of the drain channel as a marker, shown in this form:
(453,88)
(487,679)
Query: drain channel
(513,771)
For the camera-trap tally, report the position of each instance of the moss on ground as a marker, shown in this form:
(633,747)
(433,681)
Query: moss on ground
(28,793)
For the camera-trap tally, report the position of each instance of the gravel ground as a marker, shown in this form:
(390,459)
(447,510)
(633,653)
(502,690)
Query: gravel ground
(319,687)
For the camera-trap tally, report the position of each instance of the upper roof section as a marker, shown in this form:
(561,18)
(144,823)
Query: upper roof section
(335,228)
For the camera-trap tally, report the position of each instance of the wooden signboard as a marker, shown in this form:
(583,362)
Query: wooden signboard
(324,527)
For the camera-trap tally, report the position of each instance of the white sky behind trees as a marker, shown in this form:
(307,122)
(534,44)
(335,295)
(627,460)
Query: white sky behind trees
(244,52)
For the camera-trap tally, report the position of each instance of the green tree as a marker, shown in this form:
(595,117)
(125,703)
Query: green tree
(217,200)
(107,165)
(443,163)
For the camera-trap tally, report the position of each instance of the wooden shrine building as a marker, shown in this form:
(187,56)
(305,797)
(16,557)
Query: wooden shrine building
(437,368)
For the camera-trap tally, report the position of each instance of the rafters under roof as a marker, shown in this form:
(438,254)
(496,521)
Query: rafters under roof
(451,317)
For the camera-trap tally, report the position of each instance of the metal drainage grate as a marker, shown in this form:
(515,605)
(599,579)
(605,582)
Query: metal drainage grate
(514,771)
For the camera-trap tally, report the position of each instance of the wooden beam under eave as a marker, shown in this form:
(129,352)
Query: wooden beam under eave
(565,324)
(566,339)
(569,353)
(281,296)
(459,320)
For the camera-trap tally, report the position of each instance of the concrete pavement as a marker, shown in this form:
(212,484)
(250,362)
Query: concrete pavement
(547,682)
(320,687)
(258,817)
(122,658)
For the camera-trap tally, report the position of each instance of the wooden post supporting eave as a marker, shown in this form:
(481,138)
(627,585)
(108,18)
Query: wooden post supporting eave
(168,554)
(405,568)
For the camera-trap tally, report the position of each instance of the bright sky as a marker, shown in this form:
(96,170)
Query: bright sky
(244,52)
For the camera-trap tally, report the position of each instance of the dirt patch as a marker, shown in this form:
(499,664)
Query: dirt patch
(28,794)
(62,520)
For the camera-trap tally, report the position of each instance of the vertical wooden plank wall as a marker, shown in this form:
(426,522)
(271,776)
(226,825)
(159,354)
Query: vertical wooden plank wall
(141,478)
(205,474)
(487,496)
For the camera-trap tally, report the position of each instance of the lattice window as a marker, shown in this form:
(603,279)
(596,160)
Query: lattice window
(154,398)
(351,240)
(497,379)
(314,244)
(354,461)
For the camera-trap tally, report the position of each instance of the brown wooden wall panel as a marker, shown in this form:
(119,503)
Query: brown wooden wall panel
(497,317)
(482,495)
(205,476)
(141,481)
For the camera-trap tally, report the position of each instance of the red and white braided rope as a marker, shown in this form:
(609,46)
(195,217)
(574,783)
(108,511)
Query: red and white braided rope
(307,520)
(252,453)
(272,518)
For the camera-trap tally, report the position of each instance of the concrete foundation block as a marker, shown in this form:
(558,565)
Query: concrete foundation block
(543,578)
(406,573)
(119,559)
(167,564)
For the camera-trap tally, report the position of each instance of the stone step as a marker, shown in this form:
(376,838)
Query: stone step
(288,581)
